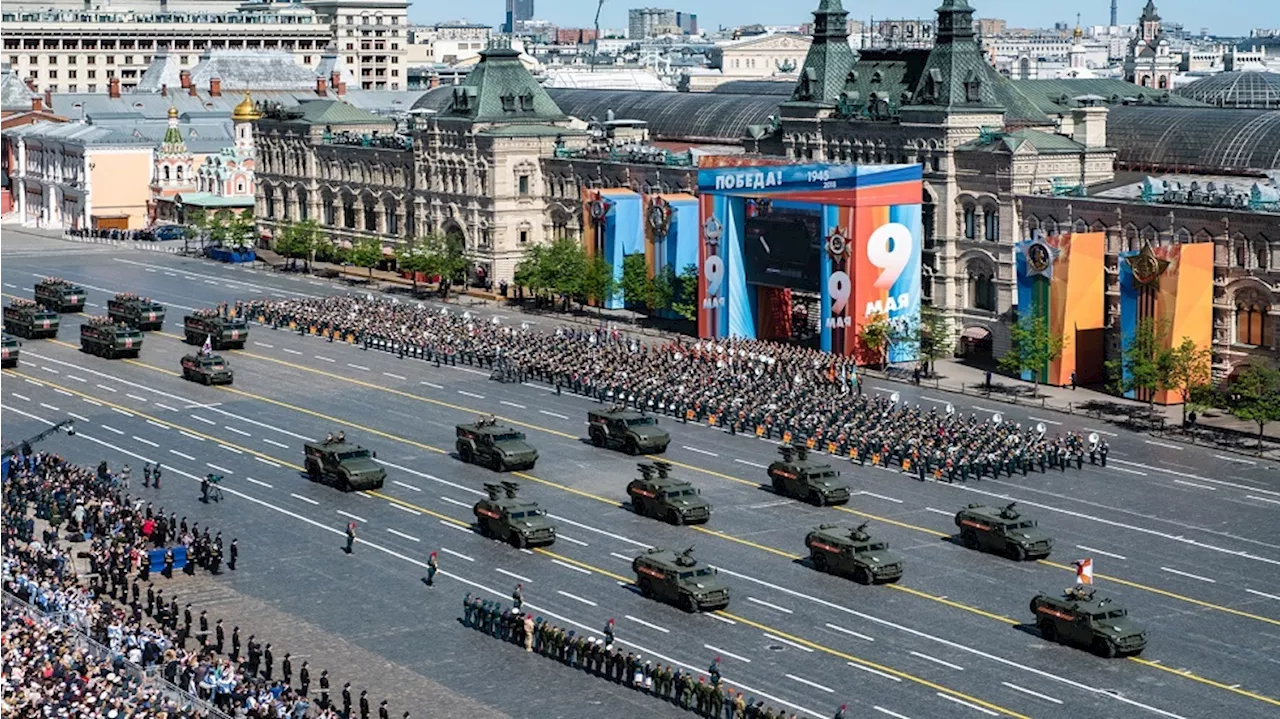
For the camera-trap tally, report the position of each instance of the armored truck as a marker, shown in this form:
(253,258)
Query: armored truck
(223,332)
(631,431)
(677,578)
(1081,619)
(343,464)
(206,369)
(659,495)
(802,477)
(102,337)
(504,515)
(142,312)
(29,320)
(9,348)
(487,443)
(1002,530)
(59,295)
(853,553)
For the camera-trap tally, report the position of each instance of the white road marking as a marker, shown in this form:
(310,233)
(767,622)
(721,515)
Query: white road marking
(470,394)
(512,404)
(392,376)
(145,441)
(893,714)
(717,650)
(699,451)
(763,603)
(1189,575)
(1233,459)
(134,396)
(642,622)
(572,540)
(964,703)
(25,398)
(86,399)
(414,512)
(513,575)
(432,385)
(1262,499)
(880,496)
(188,435)
(237,431)
(1221,482)
(815,685)
(154,423)
(49,406)
(267,462)
(258,481)
(10,284)
(325,359)
(1130,471)
(1046,421)
(719,618)
(552,414)
(182,454)
(1024,690)
(77,416)
(1162,444)
(566,565)
(230,449)
(278,444)
(264,344)
(933,399)
(623,557)
(109,428)
(850,632)
(590,528)
(459,555)
(1101,431)
(357,366)
(472,371)
(120,411)
(876,672)
(1263,594)
(588,602)
(109,389)
(402,535)
(1099,551)
(220,469)
(788,642)
(165,406)
(352,516)
(49,369)
(406,486)
(292,352)
(936,660)
(1193,484)
(299,496)
(198,418)
(451,500)
(939,511)
(78,379)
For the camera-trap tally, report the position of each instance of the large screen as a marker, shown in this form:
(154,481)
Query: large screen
(782,249)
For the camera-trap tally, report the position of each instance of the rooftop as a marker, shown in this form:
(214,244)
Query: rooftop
(1260,90)
(1194,139)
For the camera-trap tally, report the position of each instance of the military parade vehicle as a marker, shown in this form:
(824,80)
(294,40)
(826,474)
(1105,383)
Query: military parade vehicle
(813,480)
(9,348)
(853,553)
(222,332)
(676,578)
(1002,530)
(500,448)
(142,312)
(503,515)
(664,497)
(102,337)
(206,369)
(29,320)
(342,464)
(59,295)
(630,430)
(1078,618)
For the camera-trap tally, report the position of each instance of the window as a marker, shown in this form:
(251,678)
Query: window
(329,214)
(524,236)
(991,225)
(1264,255)
(71,60)
(970,221)
(370,219)
(982,292)
(92,74)
(349,216)
(166,173)
(179,173)
(524,185)
(53,74)
(1251,324)
(393,223)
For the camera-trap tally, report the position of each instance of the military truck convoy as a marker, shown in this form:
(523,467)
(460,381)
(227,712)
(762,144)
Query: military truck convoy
(1002,531)
(29,320)
(498,447)
(59,295)
(1098,624)
(143,313)
(103,337)
(852,553)
(677,578)
(659,495)
(344,465)
(9,349)
(504,515)
(223,333)
(208,369)
(632,431)
(800,476)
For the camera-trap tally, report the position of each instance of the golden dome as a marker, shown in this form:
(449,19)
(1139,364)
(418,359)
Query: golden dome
(245,111)
(173,112)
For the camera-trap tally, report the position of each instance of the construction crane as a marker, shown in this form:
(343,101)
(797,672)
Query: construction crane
(24,447)
(595,41)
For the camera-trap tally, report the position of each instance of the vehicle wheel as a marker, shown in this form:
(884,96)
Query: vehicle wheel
(689,604)
(969,538)
(517,540)
(464,454)
(631,448)
(816,499)
(499,465)
(646,588)
(1015,553)
(675,518)
(1104,648)
(313,472)
(862,575)
(597,439)
(1048,631)
(820,563)
(204,380)
(778,486)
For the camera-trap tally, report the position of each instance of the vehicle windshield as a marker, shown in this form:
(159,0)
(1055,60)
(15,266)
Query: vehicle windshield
(681,493)
(824,475)
(530,513)
(353,454)
(508,437)
(705,572)
(1020,525)
(1117,613)
(9,342)
(873,547)
(641,422)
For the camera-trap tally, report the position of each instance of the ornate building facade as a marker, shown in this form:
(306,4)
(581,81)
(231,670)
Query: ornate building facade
(1148,62)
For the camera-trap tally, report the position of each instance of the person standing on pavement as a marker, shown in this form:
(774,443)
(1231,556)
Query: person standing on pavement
(304,679)
(324,690)
(146,474)
(433,566)
(346,701)
(125,473)
(364,704)
(155,475)
(286,669)
(517,597)
(235,554)
(351,536)
(268,659)
(382,710)
(235,644)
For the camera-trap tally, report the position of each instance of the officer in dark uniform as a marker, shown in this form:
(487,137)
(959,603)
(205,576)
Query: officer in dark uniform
(304,678)
(364,704)
(168,564)
(346,701)
(235,554)
(1103,448)
(235,644)
(204,628)
(324,690)
(382,710)
(268,660)
(286,669)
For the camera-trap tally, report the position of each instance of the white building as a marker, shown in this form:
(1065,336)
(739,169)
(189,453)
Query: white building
(759,57)
(446,43)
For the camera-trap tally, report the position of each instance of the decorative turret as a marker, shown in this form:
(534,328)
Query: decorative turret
(829,60)
(245,111)
(500,90)
(956,75)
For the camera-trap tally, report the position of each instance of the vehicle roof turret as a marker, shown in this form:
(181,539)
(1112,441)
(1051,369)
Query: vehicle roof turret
(1006,513)
(797,456)
(1085,601)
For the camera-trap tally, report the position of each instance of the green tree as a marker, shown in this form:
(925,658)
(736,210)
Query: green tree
(876,336)
(932,336)
(1254,396)
(1188,370)
(635,280)
(366,252)
(447,259)
(531,272)
(299,240)
(684,291)
(564,267)
(1139,368)
(659,290)
(412,257)
(197,219)
(1033,347)
(597,281)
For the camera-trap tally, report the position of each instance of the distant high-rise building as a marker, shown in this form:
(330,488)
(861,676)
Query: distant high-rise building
(651,22)
(517,11)
(1115,13)
(687,22)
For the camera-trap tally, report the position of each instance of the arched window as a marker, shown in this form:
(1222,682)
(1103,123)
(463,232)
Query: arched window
(982,292)
(1242,255)
(1251,323)
(1263,253)
(179,173)
(1164,82)
(991,224)
(166,173)
(970,222)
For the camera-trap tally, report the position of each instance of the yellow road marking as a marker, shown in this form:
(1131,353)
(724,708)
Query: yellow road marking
(424,510)
(894,522)
(584,565)
(950,603)
(746,542)
(1209,682)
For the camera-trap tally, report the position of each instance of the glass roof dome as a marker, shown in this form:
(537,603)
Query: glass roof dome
(1257,90)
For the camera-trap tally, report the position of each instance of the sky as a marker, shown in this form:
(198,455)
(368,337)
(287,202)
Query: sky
(1225,17)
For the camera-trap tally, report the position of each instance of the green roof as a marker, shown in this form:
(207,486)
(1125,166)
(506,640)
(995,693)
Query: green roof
(1046,143)
(333,112)
(1057,96)
(530,131)
(500,89)
(829,60)
(208,199)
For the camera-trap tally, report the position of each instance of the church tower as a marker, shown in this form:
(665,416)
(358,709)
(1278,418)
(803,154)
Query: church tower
(173,170)
(1148,62)
(830,58)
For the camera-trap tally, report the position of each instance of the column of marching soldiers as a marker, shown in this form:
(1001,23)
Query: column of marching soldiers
(706,695)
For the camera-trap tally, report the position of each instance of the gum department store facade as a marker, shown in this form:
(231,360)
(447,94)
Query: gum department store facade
(500,163)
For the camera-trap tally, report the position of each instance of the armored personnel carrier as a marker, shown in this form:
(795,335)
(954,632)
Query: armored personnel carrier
(1002,530)
(142,312)
(343,464)
(802,477)
(29,320)
(9,348)
(206,369)
(853,553)
(102,337)
(664,497)
(632,431)
(505,516)
(1079,618)
(223,332)
(676,578)
(59,295)
(500,448)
